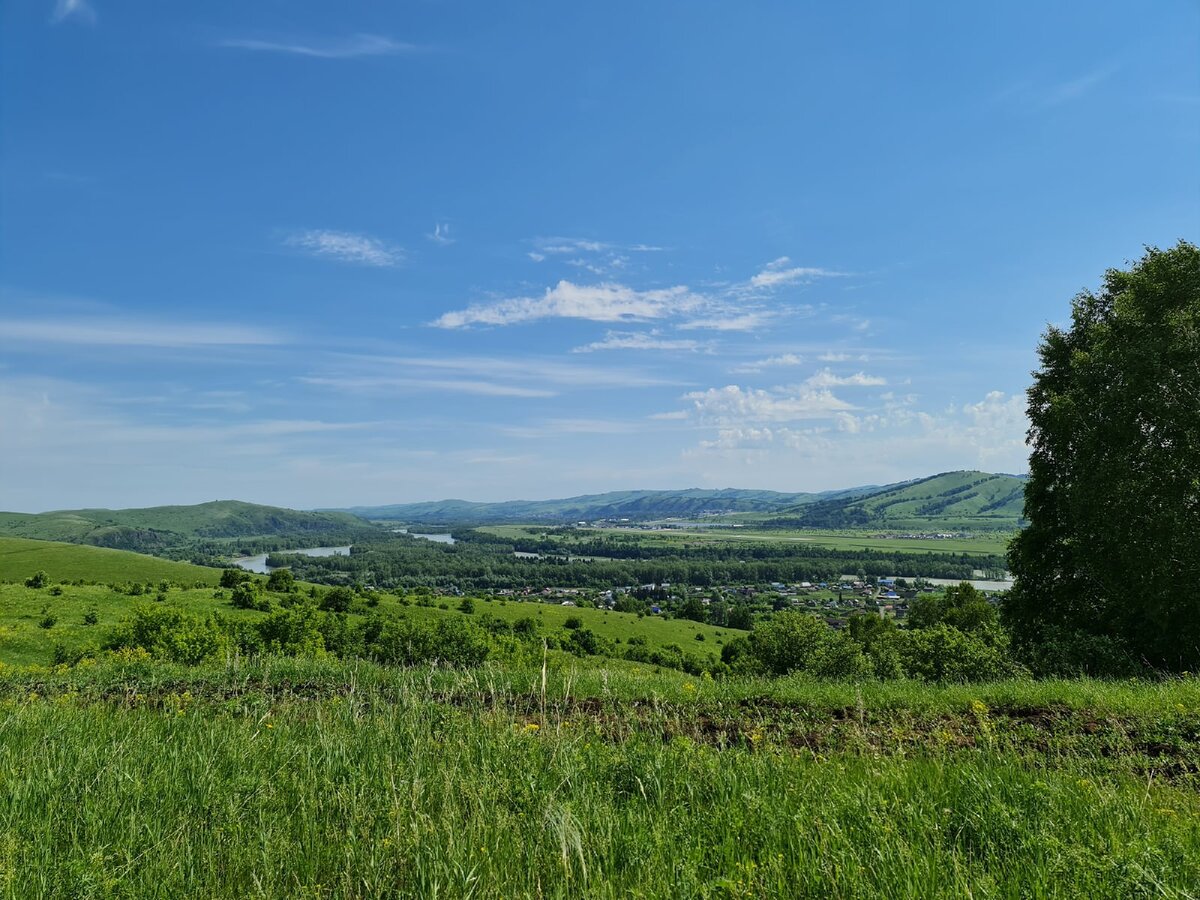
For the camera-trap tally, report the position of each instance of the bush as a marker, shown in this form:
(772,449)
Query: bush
(281,581)
(169,634)
(573,622)
(787,641)
(295,631)
(466,605)
(943,653)
(337,600)
(246,596)
(233,577)
(453,641)
(38,579)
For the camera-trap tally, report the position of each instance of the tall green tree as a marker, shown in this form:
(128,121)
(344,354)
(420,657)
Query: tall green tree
(1108,570)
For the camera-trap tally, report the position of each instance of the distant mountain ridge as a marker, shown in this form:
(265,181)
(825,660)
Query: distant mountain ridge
(155,528)
(970,498)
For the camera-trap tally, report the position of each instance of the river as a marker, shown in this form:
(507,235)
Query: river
(259,563)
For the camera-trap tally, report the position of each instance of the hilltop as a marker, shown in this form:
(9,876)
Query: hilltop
(158,528)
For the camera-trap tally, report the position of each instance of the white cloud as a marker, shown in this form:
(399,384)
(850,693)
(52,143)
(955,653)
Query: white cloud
(607,302)
(780,272)
(877,447)
(785,359)
(732,321)
(73,10)
(348,247)
(637,340)
(826,378)
(441,234)
(345,48)
(734,403)
(459,386)
(112,331)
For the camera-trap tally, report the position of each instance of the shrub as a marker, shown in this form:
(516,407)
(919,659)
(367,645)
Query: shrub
(573,622)
(337,600)
(295,631)
(233,577)
(91,617)
(943,653)
(246,596)
(453,641)
(169,633)
(787,641)
(281,581)
(466,605)
(38,579)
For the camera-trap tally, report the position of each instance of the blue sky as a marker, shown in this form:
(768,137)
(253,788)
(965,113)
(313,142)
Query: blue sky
(319,254)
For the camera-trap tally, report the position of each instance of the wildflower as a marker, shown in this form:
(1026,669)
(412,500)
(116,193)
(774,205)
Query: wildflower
(532,726)
(688,686)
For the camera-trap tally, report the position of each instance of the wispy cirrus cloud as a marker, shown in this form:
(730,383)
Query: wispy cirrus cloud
(781,271)
(441,234)
(114,331)
(356,45)
(784,359)
(826,378)
(638,340)
(347,247)
(605,302)
(734,403)
(73,11)
(451,385)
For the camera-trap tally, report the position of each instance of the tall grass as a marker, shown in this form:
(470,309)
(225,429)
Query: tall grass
(293,779)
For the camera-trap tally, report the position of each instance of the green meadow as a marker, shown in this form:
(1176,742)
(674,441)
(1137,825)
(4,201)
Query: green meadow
(295,778)
(20,558)
(545,774)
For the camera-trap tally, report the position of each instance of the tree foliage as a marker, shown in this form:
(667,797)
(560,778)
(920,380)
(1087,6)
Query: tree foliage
(1109,565)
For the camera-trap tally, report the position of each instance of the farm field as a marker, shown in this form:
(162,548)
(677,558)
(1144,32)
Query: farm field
(319,778)
(984,544)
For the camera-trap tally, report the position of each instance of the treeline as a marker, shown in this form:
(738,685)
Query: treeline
(485,564)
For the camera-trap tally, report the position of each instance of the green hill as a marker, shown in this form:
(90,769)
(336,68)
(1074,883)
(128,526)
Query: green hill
(20,558)
(157,528)
(633,505)
(946,502)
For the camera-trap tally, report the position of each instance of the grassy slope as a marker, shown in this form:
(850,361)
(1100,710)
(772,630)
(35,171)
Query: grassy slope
(21,558)
(223,518)
(23,641)
(318,779)
(950,501)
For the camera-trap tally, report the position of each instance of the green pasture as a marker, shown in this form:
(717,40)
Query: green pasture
(20,558)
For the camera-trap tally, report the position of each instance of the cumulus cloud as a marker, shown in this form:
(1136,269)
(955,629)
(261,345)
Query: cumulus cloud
(606,302)
(345,246)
